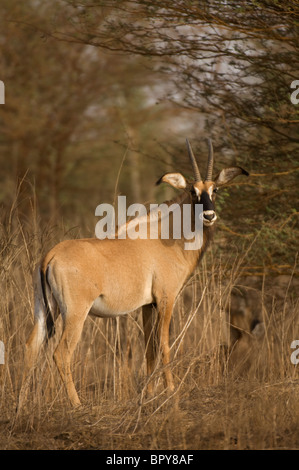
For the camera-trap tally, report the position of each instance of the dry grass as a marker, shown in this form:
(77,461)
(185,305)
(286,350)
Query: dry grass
(247,399)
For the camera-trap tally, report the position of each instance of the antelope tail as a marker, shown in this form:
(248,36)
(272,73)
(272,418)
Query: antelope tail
(47,308)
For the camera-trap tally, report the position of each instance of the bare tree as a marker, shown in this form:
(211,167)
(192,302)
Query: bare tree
(231,66)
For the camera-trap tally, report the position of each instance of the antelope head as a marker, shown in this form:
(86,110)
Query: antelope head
(203,190)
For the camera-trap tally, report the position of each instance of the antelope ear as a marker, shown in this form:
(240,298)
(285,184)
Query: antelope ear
(174,179)
(228,174)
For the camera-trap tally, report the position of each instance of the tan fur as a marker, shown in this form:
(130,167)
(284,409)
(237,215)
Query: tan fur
(127,274)
(109,278)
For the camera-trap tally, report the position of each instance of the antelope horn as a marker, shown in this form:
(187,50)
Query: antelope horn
(209,174)
(193,162)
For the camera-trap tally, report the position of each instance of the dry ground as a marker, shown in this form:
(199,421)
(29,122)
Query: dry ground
(236,414)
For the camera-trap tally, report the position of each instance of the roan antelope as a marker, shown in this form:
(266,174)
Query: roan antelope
(112,277)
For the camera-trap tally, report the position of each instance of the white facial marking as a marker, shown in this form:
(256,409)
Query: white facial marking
(208,222)
(197,191)
(210,192)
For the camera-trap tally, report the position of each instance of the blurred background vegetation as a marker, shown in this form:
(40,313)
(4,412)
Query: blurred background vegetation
(100,96)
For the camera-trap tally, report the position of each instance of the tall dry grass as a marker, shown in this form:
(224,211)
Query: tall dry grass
(239,397)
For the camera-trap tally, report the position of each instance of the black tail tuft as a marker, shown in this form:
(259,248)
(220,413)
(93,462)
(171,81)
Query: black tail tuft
(49,317)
